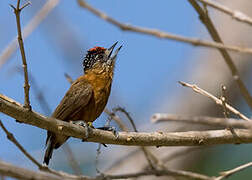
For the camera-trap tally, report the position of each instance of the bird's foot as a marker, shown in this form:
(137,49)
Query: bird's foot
(112,129)
(83,123)
(86,125)
(106,128)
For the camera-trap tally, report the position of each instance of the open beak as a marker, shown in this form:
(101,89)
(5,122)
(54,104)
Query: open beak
(110,50)
(113,57)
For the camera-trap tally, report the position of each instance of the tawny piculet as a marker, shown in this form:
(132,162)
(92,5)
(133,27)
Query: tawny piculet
(88,95)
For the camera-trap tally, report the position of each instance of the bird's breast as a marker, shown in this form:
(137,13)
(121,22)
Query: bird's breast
(101,91)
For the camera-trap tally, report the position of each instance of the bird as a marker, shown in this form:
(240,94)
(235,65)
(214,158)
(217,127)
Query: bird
(88,95)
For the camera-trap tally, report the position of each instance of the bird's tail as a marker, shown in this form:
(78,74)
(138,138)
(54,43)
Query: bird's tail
(49,150)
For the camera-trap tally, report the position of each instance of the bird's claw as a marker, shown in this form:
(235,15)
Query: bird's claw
(106,128)
(112,129)
(104,145)
(86,125)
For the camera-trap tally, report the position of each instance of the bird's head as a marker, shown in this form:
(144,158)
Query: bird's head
(100,58)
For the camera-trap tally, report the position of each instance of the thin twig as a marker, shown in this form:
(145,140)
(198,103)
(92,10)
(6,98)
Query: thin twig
(121,160)
(217,100)
(204,120)
(2,177)
(17,11)
(170,172)
(205,19)
(235,14)
(22,173)
(120,109)
(37,91)
(68,78)
(180,152)
(72,160)
(98,152)
(160,34)
(11,137)
(176,154)
(28,29)
(228,173)
(117,119)
(10,170)
(148,155)
(223,99)
(12,101)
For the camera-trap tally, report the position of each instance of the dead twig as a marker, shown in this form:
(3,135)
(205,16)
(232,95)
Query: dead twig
(168,172)
(28,29)
(117,119)
(205,19)
(11,137)
(223,99)
(148,155)
(235,14)
(204,120)
(21,173)
(180,153)
(228,173)
(17,11)
(216,100)
(68,78)
(72,160)
(160,34)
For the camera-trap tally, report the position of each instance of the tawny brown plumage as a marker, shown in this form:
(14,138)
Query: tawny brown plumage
(87,96)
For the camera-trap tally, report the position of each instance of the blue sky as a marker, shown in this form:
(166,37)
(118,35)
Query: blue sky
(147,68)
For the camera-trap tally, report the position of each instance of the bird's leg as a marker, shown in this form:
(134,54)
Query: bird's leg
(86,125)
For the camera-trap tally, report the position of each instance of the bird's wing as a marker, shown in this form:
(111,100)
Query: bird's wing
(77,97)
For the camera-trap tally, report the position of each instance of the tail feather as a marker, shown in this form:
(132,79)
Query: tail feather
(49,150)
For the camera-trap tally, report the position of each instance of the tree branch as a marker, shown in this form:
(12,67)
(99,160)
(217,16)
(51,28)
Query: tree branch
(148,155)
(217,100)
(160,34)
(205,120)
(11,137)
(17,11)
(237,15)
(190,138)
(228,173)
(119,122)
(205,19)
(10,170)
(169,172)
(28,29)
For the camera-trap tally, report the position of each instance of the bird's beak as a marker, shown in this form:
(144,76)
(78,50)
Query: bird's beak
(110,50)
(113,57)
